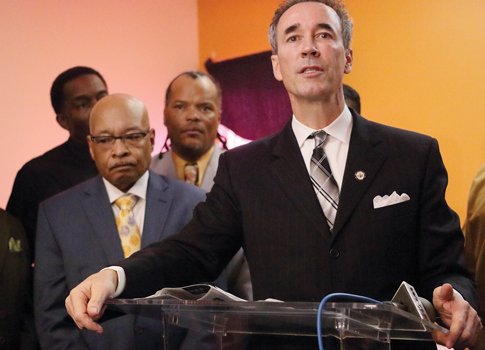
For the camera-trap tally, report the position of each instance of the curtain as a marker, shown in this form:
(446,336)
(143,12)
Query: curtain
(254,103)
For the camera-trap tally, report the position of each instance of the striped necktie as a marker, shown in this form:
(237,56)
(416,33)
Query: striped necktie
(322,179)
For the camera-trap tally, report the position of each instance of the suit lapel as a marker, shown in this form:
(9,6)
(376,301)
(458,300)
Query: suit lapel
(365,156)
(210,172)
(165,165)
(159,201)
(289,171)
(98,211)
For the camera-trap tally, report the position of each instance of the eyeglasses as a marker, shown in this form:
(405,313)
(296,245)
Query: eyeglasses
(132,139)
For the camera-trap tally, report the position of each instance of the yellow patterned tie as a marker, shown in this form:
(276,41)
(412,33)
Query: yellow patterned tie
(126,224)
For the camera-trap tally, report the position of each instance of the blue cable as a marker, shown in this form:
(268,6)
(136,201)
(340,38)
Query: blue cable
(336,295)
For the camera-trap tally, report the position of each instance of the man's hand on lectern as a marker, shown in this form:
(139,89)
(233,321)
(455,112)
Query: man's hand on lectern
(85,303)
(456,313)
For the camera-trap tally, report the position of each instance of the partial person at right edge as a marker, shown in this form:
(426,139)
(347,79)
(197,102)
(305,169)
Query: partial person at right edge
(474,230)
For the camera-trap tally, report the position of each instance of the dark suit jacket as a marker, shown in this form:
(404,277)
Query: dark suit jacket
(76,237)
(263,200)
(15,283)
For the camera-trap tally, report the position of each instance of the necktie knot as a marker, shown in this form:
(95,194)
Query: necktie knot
(191,173)
(320,136)
(126,202)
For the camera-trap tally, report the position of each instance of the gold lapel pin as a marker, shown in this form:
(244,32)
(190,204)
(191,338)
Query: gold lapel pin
(359,175)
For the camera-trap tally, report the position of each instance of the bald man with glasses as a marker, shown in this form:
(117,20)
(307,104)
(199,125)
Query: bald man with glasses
(85,228)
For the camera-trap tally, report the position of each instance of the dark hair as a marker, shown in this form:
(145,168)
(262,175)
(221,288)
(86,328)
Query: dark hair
(57,88)
(194,74)
(353,96)
(337,5)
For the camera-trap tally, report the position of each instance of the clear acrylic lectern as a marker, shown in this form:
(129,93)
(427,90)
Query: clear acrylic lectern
(350,323)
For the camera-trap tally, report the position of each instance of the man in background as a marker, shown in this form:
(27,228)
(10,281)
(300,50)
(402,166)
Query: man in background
(474,230)
(87,227)
(352,98)
(192,115)
(73,94)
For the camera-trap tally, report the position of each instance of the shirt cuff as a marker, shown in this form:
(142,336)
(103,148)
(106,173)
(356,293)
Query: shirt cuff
(121,279)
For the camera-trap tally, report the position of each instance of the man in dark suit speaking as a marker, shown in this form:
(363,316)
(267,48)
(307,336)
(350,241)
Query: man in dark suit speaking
(87,227)
(357,208)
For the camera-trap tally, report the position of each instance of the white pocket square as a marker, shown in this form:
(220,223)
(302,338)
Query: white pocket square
(386,200)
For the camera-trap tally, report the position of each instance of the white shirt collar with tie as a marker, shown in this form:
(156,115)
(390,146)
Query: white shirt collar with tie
(336,147)
(139,189)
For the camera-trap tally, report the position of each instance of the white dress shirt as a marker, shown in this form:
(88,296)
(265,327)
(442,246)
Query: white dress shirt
(139,189)
(336,146)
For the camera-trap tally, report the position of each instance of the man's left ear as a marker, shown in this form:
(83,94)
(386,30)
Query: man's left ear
(348,61)
(61,120)
(152,137)
(90,146)
(276,67)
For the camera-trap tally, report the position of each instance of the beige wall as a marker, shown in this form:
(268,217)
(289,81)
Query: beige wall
(417,65)
(137,45)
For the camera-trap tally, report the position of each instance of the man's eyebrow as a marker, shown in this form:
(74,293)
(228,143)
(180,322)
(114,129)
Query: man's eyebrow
(291,28)
(326,26)
(81,97)
(295,26)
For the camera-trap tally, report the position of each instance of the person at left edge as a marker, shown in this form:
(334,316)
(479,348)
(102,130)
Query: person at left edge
(77,233)
(73,94)
(14,281)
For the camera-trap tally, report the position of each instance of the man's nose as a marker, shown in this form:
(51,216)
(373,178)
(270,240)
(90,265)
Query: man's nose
(119,148)
(193,114)
(309,48)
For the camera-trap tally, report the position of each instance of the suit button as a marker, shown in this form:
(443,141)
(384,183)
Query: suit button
(334,253)
(139,330)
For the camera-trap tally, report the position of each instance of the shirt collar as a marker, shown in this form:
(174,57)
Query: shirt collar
(339,129)
(202,163)
(139,188)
